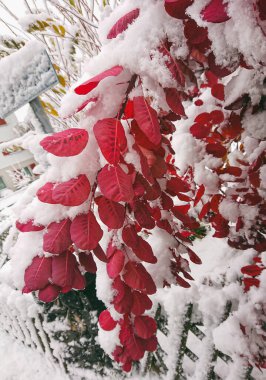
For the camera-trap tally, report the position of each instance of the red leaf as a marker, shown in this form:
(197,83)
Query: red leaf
(123,299)
(217,116)
(218,91)
(139,246)
(166,202)
(90,84)
(129,110)
(147,120)
(49,293)
(165,225)
(200,131)
(199,194)
(173,66)
(73,192)
(140,303)
(195,34)
(180,281)
(115,184)
(116,264)
(174,102)
(176,185)
(145,327)
(250,281)
(28,226)
(217,70)
(132,343)
(193,257)
(82,106)
(122,24)
(99,253)
(63,269)
(85,231)
(44,194)
(188,221)
(141,138)
(38,273)
(106,321)
(111,213)
(66,143)
(216,149)
(151,344)
(205,209)
(215,11)
(137,277)
(143,216)
(57,238)
(79,282)
(111,139)
(87,261)
(177,8)
(262,9)
(252,270)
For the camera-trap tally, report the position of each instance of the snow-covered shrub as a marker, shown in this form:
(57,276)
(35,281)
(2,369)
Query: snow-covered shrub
(172,134)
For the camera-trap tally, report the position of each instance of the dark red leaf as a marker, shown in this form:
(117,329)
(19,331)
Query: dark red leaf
(177,8)
(85,231)
(145,326)
(111,139)
(99,253)
(215,11)
(195,34)
(137,277)
(116,264)
(38,273)
(205,209)
(200,131)
(79,282)
(106,321)
(122,24)
(28,226)
(216,149)
(123,299)
(63,269)
(90,84)
(57,238)
(111,213)
(218,91)
(199,194)
(193,257)
(252,270)
(143,216)
(140,303)
(166,202)
(147,120)
(180,281)
(188,221)
(73,192)
(44,194)
(176,185)
(174,66)
(49,293)
(115,184)
(151,344)
(217,116)
(217,70)
(139,246)
(66,143)
(87,261)
(174,101)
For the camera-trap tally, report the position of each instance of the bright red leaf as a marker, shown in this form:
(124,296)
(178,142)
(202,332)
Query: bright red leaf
(111,213)
(115,184)
(106,321)
(63,269)
(140,303)
(38,273)
(49,293)
(28,226)
(66,143)
(57,238)
(73,192)
(122,24)
(115,264)
(145,326)
(137,277)
(90,84)
(147,120)
(85,231)
(111,139)
(44,194)
(215,11)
